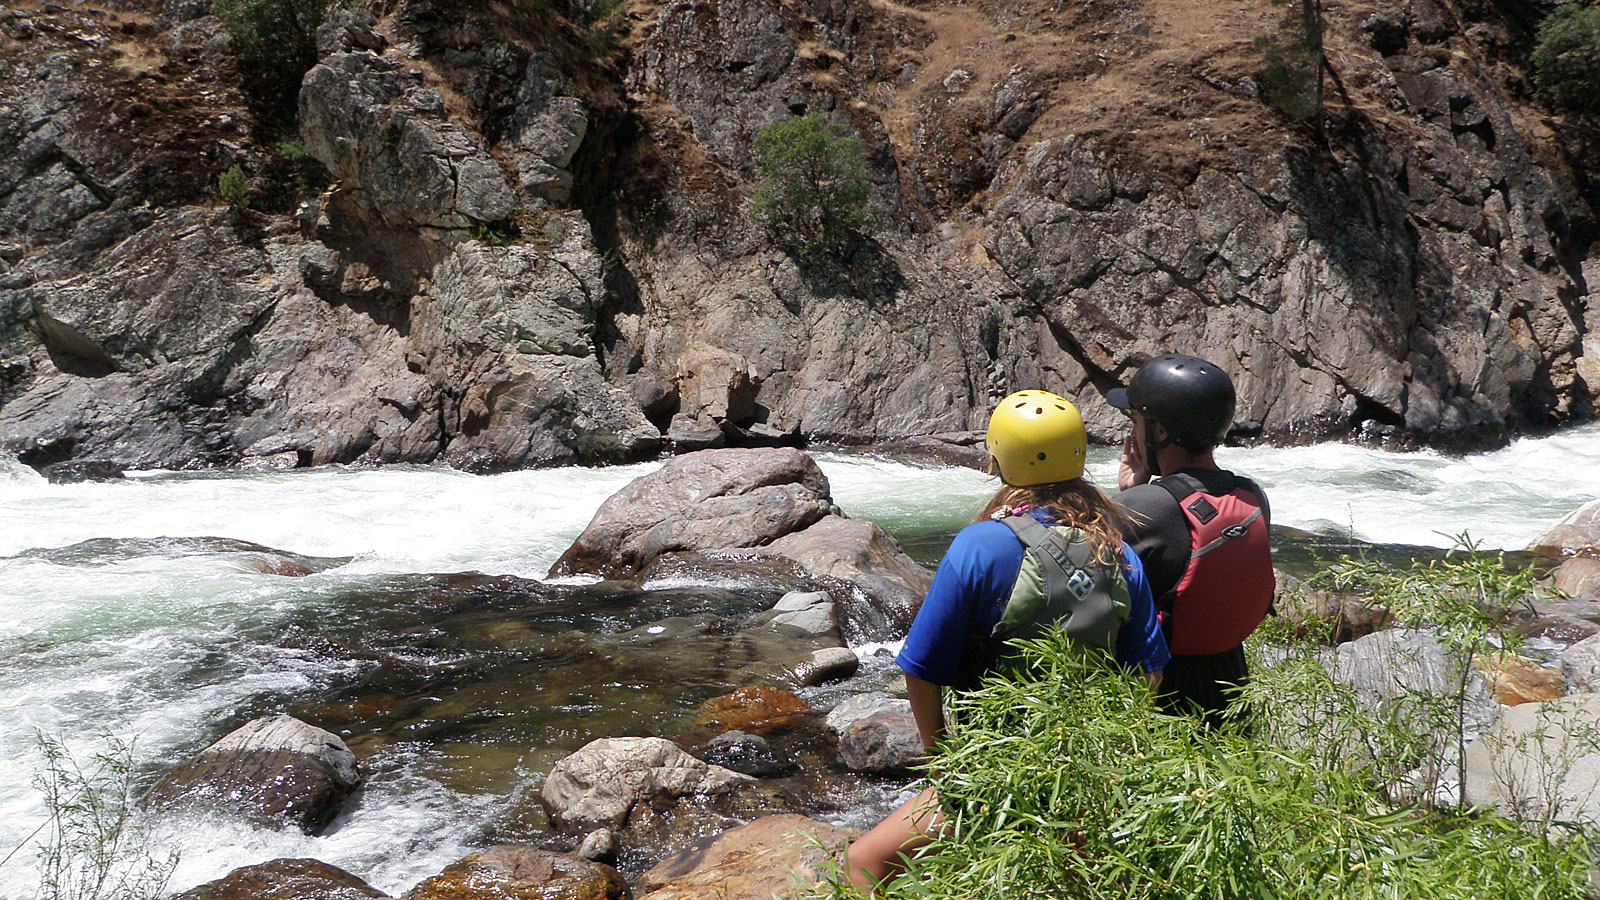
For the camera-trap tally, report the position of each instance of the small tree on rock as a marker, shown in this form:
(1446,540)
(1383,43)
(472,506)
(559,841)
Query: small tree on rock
(1566,58)
(814,185)
(276,43)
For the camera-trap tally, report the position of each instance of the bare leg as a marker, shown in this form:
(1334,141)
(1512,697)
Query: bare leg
(878,855)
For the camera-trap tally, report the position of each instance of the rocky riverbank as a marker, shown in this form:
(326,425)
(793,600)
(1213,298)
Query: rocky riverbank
(748,775)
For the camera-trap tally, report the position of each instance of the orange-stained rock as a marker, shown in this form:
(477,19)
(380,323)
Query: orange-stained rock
(1513,680)
(774,856)
(755,708)
(515,872)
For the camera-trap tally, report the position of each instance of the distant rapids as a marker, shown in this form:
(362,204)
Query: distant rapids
(173,642)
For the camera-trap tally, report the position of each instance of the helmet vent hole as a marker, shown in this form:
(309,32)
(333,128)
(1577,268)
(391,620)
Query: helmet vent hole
(1041,457)
(1038,410)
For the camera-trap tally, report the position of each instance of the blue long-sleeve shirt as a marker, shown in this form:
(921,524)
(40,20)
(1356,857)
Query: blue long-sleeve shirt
(969,592)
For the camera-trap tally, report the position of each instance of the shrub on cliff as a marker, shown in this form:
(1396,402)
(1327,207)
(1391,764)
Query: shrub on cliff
(276,44)
(1566,58)
(814,185)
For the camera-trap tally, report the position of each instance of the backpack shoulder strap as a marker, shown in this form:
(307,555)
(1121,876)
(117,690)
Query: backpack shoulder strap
(1054,554)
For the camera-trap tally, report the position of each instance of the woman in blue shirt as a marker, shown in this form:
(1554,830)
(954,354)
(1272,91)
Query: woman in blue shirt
(1037,442)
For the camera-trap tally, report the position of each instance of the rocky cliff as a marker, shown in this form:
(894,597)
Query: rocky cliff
(515,233)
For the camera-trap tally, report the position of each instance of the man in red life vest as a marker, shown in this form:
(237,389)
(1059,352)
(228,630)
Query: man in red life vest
(1200,530)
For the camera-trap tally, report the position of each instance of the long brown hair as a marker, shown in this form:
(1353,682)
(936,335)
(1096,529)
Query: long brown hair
(1075,504)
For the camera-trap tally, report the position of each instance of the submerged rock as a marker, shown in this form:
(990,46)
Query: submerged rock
(274,772)
(285,879)
(778,856)
(749,754)
(515,872)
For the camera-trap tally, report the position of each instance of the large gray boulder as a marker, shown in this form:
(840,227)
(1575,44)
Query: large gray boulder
(513,871)
(1397,669)
(275,772)
(782,856)
(612,781)
(285,879)
(714,499)
(1541,762)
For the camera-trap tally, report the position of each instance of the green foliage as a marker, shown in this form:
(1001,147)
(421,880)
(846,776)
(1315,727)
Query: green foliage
(95,847)
(277,45)
(232,186)
(1062,781)
(814,184)
(608,25)
(1291,75)
(1566,57)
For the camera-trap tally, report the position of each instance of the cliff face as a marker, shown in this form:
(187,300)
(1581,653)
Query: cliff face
(530,245)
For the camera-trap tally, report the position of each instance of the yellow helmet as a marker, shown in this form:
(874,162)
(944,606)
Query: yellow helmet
(1037,437)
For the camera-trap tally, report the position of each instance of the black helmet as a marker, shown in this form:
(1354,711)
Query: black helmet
(1190,397)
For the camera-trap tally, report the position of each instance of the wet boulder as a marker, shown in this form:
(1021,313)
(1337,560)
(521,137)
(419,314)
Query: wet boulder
(774,856)
(808,612)
(1540,761)
(614,782)
(285,879)
(877,733)
(1577,533)
(515,872)
(711,500)
(275,772)
(824,665)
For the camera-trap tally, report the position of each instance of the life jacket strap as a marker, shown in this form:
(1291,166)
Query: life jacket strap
(1232,532)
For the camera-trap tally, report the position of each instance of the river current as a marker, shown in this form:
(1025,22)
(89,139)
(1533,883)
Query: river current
(172,643)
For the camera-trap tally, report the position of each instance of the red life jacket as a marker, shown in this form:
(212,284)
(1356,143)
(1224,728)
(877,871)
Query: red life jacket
(1227,588)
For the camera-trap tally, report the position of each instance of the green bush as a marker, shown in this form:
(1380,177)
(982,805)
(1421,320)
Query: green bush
(96,847)
(232,186)
(1062,781)
(814,185)
(277,44)
(1566,58)
(1292,62)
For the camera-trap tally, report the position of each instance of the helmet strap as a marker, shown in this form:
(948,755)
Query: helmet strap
(1153,447)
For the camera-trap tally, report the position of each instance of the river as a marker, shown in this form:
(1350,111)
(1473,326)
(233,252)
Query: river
(174,642)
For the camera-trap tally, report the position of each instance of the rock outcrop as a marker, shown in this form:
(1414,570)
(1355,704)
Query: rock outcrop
(274,772)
